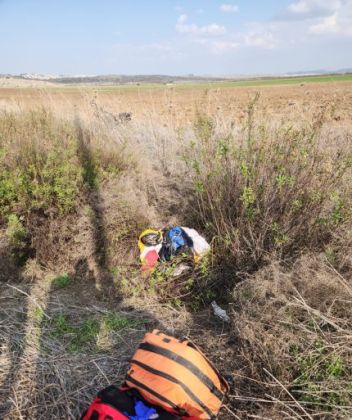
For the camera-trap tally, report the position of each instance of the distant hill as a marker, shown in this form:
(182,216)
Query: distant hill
(114,79)
(111,79)
(320,72)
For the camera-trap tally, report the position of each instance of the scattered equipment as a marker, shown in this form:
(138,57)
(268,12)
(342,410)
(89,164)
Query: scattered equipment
(163,245)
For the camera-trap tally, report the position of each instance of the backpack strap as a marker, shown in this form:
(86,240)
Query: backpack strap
(223,381)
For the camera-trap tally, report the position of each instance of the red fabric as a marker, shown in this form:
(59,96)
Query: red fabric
(150,260)
(103,410)
(106,410)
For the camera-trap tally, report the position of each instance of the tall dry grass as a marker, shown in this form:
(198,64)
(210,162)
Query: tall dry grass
(294,327)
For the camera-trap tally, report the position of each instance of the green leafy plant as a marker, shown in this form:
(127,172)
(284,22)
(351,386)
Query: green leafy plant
(39,166)
(61,281)
(317,372)
(18,237)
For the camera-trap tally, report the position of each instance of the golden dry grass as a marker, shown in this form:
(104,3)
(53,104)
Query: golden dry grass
(177,105)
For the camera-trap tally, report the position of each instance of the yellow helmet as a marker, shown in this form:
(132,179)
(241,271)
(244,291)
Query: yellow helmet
(150,237)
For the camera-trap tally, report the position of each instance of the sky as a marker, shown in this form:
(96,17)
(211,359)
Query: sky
(176,37)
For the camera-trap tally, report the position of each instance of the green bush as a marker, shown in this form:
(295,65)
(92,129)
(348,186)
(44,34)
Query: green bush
(39,167)
(18,237)
(16,232)
(45,163)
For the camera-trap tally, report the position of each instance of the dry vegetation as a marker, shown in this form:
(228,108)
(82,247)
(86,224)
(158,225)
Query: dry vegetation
(266,178)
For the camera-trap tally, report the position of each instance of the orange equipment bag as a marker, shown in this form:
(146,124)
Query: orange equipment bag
(176,375)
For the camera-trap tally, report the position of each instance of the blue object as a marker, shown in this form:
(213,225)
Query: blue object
(176,237)
(142,411)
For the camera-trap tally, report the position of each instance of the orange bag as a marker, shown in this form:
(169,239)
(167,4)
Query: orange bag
(175,375)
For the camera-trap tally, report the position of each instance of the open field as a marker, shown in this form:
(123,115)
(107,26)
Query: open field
(263,172)
(178,104)
(147,82)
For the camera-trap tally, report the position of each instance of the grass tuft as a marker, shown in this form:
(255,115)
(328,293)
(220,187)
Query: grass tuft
(61,281)
(83,336)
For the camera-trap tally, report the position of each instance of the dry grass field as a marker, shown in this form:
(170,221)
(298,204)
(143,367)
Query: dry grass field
(264,172)
(178,104)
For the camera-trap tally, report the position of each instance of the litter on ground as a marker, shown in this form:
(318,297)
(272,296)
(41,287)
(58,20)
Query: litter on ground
(164,244)
(219,312)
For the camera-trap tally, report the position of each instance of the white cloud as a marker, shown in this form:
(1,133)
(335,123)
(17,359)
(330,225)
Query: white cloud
(320,17)
(336,24)
(186,28)
(299,7)
(328,24)
(240,41)
(298,33)
(310,9)
(229,8)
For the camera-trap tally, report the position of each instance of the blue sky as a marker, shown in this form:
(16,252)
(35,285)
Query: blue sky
(174,36)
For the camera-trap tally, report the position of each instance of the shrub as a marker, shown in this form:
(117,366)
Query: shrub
(18,237)
(268,189)
(45,163)
(48,169)
(39,167)
(16,232)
